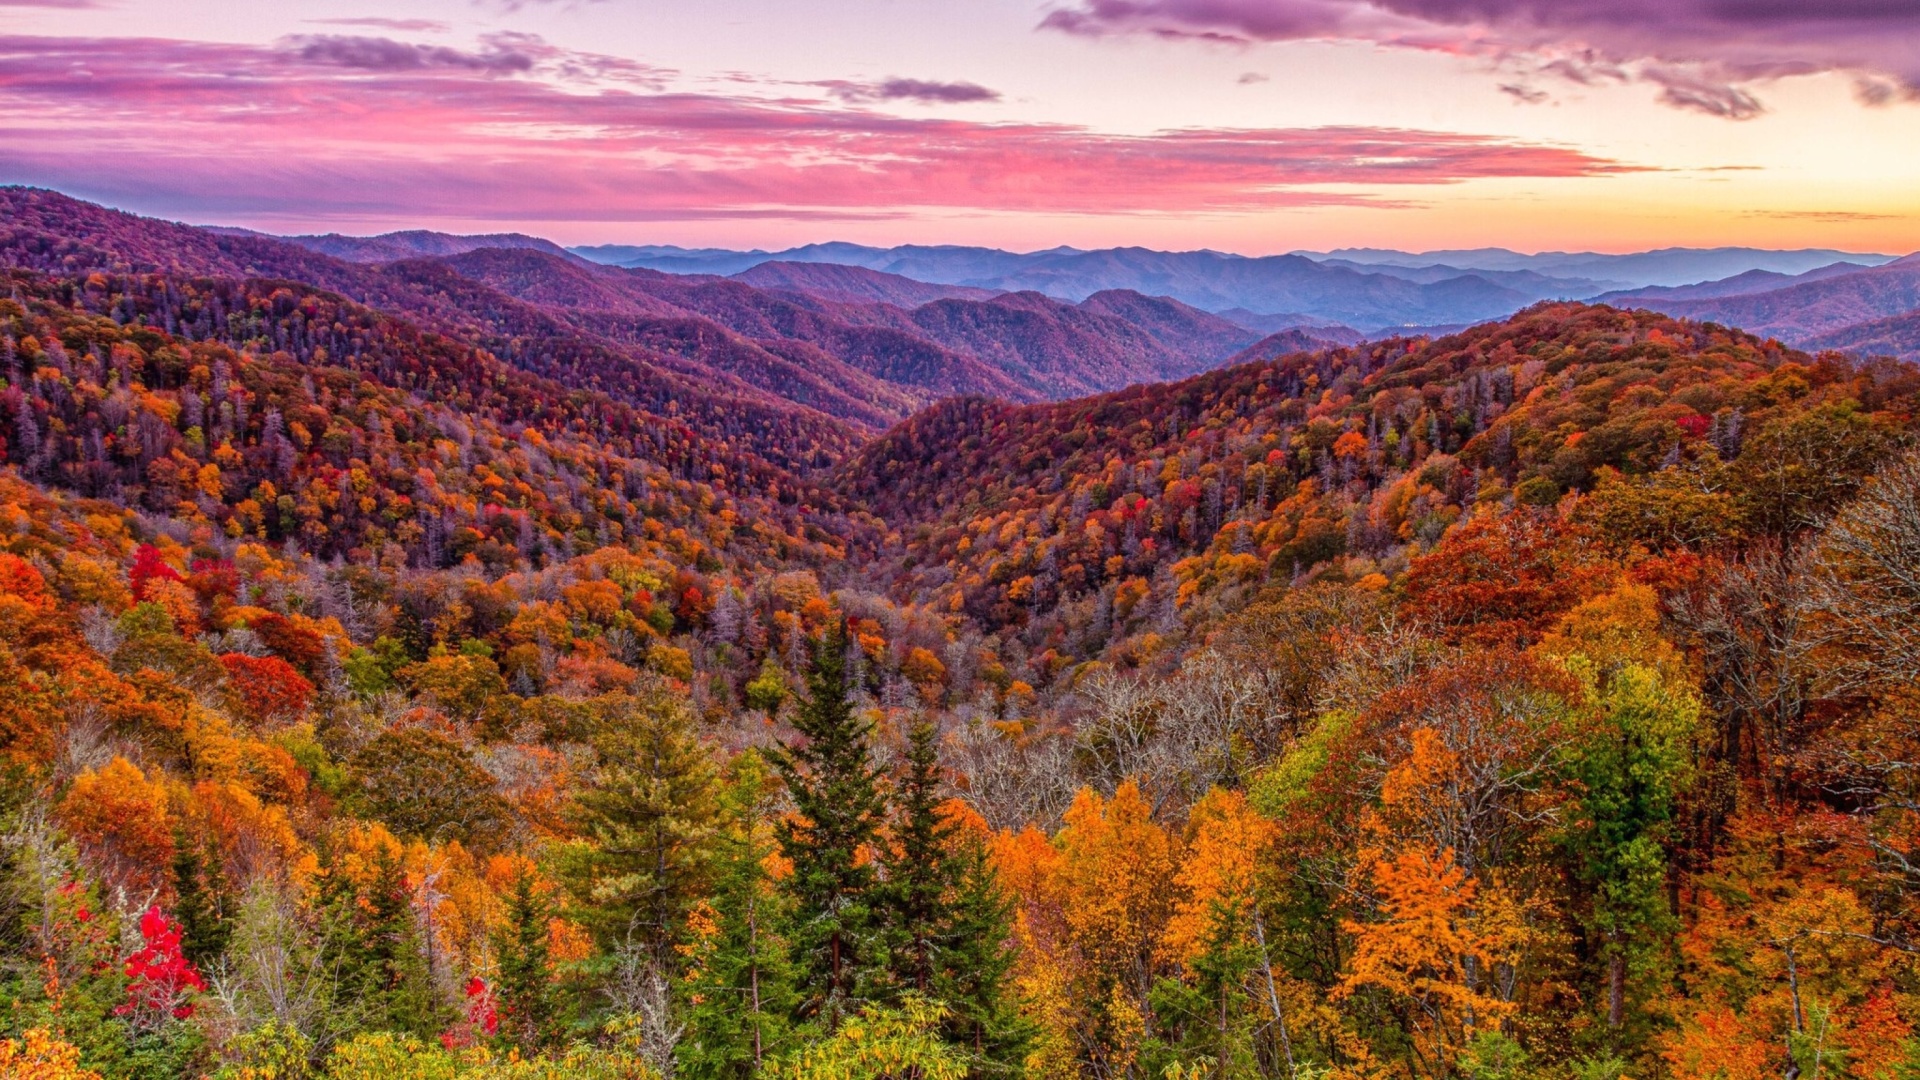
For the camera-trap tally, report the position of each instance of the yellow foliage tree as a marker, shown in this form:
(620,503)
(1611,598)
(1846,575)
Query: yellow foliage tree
(1440,951)
(40,1055)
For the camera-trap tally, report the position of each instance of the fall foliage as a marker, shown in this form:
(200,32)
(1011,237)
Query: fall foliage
(417,687)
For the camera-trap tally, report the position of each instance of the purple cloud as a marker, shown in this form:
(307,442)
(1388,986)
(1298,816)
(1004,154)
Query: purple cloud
(385,54)
(311,131)
(920,90)
(1703,54)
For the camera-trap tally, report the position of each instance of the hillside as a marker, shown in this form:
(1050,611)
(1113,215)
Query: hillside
(486,666)
(805,371)
(48,231)
(263,411)
(1803,311)
(1898,337)
(1295,339)
(1147,499)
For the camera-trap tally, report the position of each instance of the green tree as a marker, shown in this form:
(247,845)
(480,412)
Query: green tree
(1802,466)
(945,920)
(529,1005)
(648,816)
(197,887)
(739,988)
(839,809)
(385,965)
(421,783)
(768,690)
(1629,769)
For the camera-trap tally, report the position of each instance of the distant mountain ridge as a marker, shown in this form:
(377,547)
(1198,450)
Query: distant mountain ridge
(1864,311)
(416,243)
(855,284)
(1373,290)
(1752,281)
(1665,266)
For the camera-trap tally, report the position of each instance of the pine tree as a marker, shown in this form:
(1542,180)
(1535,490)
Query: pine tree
(529,1006)
(649,815)
(197,883)
(383,978)
(919,873)
(397,988)
(947,921)
(839,809)
(975,980)
(739,988)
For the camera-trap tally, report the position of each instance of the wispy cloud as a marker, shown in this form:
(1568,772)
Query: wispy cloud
(1824,216)
(403,26)
(924,91)
(385,54)
(324,128)
(1704,55)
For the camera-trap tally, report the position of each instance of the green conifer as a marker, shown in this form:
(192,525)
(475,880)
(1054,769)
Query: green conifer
(839,810)
(739,988)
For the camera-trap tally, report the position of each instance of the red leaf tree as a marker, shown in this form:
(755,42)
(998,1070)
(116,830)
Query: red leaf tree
(161,981)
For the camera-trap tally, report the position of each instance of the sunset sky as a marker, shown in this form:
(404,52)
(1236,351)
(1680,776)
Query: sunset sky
(1254,126)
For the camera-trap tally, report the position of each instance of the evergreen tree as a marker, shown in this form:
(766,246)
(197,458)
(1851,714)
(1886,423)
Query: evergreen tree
(383,980)
(197,884)
(529,1006)
(947,921)
(972,974)
(740,987)
(1213,1016)
(919,874)
(396,986)
(648,815)
(839,809)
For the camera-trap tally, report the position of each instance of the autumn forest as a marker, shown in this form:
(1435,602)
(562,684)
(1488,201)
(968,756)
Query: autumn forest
(492,665)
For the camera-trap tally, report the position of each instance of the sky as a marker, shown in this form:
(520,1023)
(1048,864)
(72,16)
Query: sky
(1254,126)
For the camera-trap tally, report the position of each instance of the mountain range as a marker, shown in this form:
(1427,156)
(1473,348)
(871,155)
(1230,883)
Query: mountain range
(1872,311)
(844,347)
(1666,266)
(447,613)
(1372,290)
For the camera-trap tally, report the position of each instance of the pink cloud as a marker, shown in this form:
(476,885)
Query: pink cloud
(1701,53)
(333,128)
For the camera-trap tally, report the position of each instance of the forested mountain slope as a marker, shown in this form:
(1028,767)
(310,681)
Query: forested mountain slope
(1142,500)
(645,336)
(51,232)
(444,669)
